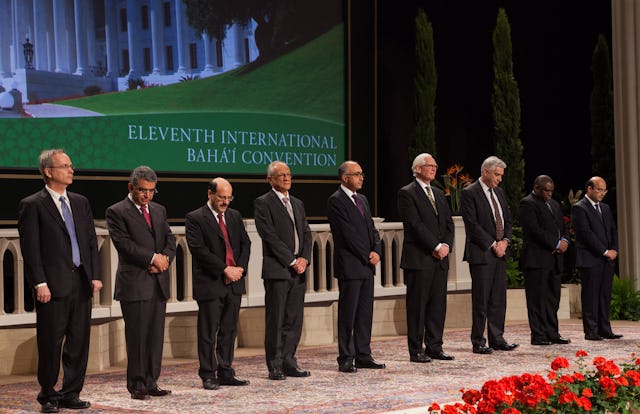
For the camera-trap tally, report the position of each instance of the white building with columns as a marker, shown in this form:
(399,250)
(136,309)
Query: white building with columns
(106,42)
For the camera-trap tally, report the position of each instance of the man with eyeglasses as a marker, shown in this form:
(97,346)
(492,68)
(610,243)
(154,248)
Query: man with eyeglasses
(220,247)
(60,252)
(140,232)
(286,253)
(356,252)
(596,252)
(428,239)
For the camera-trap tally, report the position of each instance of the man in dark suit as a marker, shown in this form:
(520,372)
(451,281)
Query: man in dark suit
(428,237)
(220,248)
(545,239)
(487,223)
(356,251)
(596,252)
(140,232)
(286,252)
(60,252)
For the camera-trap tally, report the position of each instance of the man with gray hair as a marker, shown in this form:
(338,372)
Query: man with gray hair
(487,223)
(61,264)
(428,239)
(140,232)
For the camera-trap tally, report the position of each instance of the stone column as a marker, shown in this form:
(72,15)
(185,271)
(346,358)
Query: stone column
(41,16)
(157,40)
(180,37)
(90,33)
(5,39)
(133,35)
(111,37)
(80,21)
(626,74)
(208,56)
(59,36)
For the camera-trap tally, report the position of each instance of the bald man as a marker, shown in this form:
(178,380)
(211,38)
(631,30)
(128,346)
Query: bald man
(220,248)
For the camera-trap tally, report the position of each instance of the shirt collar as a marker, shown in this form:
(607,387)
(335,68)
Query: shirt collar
(55,195)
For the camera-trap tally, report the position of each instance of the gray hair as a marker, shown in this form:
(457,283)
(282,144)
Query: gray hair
(272,166)
(342,169)
(45,160)
(419,161)
(491,163)
(143,173)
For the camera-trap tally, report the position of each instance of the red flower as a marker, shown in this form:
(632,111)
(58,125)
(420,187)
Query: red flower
(434,407)
(559,363)
(587,393)
(581,353)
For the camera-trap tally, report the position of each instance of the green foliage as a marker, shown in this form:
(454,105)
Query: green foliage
(505,102)
(625,300)
(425,82)
(515,278)
(92,90)
(601,108)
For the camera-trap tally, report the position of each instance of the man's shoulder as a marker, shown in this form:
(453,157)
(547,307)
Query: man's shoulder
(409,187)
(35,197)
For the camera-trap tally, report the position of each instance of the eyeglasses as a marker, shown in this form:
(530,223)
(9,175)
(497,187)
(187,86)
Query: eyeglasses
(224,198)
(356,174)
(65,166)
(149,191)
(435,166)
(600,190)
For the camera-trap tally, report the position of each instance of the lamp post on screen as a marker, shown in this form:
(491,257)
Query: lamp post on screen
(28,53)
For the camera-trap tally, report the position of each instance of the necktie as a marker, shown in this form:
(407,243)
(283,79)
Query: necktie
(146,215)
(293,220)
(431,199)
(358,204)
(598,209)
(229,260)
(71,228)
(498,217)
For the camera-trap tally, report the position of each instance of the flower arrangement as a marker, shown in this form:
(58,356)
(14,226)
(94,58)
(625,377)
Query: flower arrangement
(605,387)
(454,182)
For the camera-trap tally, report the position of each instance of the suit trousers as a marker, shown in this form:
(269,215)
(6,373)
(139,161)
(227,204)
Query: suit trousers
(355,316)
(284,312)
(217,331)
(68,319)
(596,298)
(426,309)
(542,289)
(489,301)
(144,337)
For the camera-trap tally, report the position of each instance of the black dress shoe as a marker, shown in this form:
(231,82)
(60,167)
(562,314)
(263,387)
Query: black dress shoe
(347,366)
(612,336)
(505,347)
(560,340)
(369,363)
(420,358)
(50,407)
(233,381)
(74,403)
(210,384)
(140,394)
(277,374)
(540,342)
(593,337)
(482,350)
(158,392)
(441,355)
(296,372)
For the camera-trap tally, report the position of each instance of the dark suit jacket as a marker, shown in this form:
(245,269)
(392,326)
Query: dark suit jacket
(354,237)
(594,234)
(480,223)
(541,230)
(208,249)
(423,229)
(276,230)
(136,244)
(46,245)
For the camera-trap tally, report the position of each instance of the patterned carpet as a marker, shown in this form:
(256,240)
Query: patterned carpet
(402,386)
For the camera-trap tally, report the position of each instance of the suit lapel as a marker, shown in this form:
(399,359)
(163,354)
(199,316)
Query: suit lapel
(50,206)
(137,216)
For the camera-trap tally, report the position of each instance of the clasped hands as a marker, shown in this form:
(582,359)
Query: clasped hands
(159,264)
(300,265)
(500,248)
(442,252)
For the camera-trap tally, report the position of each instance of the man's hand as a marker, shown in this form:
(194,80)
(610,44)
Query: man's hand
(160,261)
(563,246)
(500,248)
(442,252)
(97,285)
(300,265)
(43,294)
(232,274)
(611,254)
(374,258)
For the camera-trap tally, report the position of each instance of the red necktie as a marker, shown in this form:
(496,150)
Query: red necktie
(229,260)
(146,215)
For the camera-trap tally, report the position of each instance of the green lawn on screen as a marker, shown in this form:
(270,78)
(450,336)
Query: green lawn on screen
(307,82)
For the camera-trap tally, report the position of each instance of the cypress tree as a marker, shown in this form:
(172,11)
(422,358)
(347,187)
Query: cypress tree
(425,82)
(506,113)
